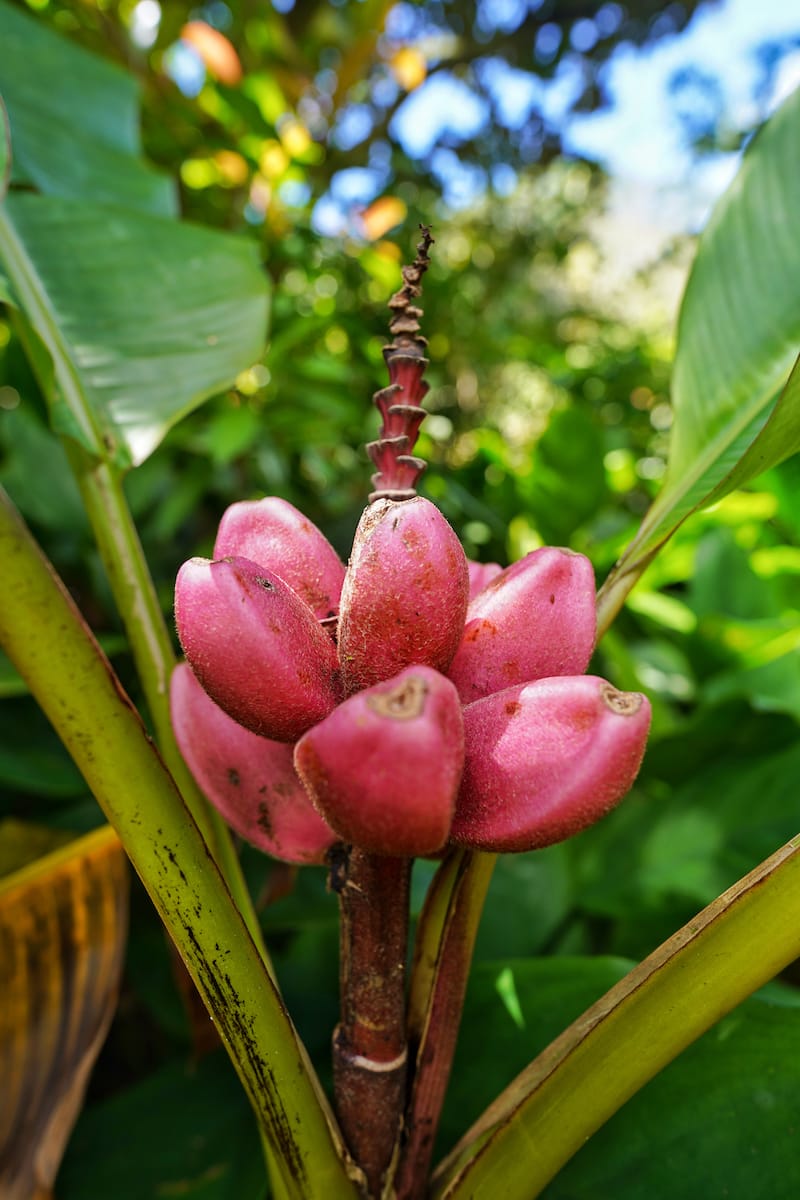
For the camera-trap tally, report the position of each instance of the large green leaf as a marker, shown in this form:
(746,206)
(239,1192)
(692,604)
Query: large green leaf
(29,453)
(514,1007)
(738,943)
(143,317)
(738,339)
(537,888)
(208,1148)
(74,140)
(717,1122)
(567,483)
(779,438)
(32,759)
(739,329)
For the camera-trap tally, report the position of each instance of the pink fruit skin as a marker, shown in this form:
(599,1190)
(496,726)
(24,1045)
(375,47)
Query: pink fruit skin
(545,760)
(385,766)
(257,650)
(250,780)
(405,593)
(480,575)
(534,620)
(276,535)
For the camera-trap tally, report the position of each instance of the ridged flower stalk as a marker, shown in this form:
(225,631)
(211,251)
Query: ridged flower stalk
(400,404)
(370,1055)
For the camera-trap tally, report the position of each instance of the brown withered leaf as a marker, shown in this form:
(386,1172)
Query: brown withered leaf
(63,922)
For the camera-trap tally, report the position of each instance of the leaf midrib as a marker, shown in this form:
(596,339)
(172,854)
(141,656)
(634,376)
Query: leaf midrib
(35,302)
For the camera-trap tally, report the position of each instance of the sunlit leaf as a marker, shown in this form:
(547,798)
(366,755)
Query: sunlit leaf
(739,328)
(779,438)
(738,340)
(62,933)
(144,318)
(68,140)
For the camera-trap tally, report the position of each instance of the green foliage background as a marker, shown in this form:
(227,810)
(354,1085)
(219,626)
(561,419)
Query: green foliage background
(551,415)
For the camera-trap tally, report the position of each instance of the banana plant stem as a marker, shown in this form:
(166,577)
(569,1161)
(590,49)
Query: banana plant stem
(448,926)
(369,1044)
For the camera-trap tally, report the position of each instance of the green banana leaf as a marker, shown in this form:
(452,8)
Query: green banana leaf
(74,141)
(144,318)
(716,1122)
(664,1004)
(738,340)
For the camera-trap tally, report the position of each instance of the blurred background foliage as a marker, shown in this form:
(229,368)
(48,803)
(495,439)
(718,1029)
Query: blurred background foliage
(550,309)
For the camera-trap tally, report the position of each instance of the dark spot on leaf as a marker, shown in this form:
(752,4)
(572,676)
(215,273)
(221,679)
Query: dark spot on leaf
(233,777)
(552,599)
(265,583)
(512,707)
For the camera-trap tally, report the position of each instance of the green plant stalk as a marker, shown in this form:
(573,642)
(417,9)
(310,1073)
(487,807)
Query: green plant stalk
(135,596)
(277,1188)
(737,944)
(28,292)
(621,581)
(120,550)
(443,950)
(45,637)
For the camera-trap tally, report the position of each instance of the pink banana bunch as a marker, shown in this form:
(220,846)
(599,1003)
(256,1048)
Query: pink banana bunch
(385,706)
(426,698)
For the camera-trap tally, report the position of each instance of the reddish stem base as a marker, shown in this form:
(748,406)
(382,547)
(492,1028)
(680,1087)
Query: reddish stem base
(369,1044)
